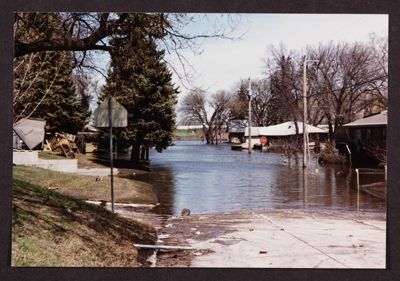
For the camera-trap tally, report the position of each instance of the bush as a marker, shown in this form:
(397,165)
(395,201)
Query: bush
(329,154)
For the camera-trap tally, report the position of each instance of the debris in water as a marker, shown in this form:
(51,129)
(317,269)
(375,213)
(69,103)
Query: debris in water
(263,252)
(185,212)
(163,236)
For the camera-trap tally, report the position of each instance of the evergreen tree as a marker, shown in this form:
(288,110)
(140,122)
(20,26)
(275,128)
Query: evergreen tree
(43,81)
(44,88)
(239,108)
(140,81)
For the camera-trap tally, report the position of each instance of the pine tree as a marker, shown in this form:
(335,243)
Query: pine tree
(43,81)
(239,108)
(45,89)
(140,81)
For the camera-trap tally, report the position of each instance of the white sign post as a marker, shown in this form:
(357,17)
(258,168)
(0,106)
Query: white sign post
(111,114)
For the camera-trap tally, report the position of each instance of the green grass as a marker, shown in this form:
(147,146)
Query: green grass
(87,187)
(51,229)
(49,155)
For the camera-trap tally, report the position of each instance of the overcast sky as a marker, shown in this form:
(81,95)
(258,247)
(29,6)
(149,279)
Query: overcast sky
(223,62)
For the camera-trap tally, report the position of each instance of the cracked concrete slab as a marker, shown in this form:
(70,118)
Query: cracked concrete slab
(278,238)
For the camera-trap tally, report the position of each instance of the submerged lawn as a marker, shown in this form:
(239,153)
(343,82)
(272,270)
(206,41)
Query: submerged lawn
(51,229)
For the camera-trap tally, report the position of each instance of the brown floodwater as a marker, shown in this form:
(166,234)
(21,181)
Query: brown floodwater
(214,179)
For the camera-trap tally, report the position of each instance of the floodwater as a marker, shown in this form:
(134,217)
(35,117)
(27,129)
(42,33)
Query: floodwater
(214,179)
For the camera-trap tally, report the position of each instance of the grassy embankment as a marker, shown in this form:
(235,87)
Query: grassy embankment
(54,229)
(88,187)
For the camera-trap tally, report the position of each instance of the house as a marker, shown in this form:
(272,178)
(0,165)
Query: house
(366,136)
(255,137)
(189,125)
(236,131)
(278,133)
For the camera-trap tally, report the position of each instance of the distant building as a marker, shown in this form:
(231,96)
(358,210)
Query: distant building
(277,133)
(188,125)
(367,136)
(236,130)
(284,132)
(255,136)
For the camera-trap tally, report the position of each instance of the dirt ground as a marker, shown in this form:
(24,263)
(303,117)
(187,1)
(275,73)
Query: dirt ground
(271,238)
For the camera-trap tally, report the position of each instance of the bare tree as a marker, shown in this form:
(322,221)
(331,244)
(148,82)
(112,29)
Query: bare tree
(29,71)
(284,74)
(262,103)
(219,103)
(85,33)
(35,32)
(345,80)
(378,46)
(195,109)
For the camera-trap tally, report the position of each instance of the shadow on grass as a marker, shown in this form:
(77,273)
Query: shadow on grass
(55,211)
(122,163)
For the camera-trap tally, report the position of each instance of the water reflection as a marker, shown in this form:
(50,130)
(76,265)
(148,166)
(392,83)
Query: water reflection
(210,179)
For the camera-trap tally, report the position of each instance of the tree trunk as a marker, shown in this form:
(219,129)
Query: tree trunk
(135,154)
(142,152)
(330,129)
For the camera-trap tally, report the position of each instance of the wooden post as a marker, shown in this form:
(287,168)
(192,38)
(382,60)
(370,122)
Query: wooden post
(385,172)
(358,179)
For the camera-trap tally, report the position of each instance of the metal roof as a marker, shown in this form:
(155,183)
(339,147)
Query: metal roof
(374,120)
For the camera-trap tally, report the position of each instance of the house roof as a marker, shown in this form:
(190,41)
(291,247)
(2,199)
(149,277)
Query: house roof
(254,131)
(288,129)
(283,129)
(379,119)
(30,131)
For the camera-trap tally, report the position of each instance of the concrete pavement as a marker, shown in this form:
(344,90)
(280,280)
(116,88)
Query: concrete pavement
(277,239)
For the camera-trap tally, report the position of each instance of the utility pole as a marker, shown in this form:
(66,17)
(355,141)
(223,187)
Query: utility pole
(305,133)
(249,93)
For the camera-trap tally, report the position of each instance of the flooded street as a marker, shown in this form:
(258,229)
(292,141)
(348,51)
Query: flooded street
(215,179)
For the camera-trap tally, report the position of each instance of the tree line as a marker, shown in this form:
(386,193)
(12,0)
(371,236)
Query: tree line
(55,59)
(348,78)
